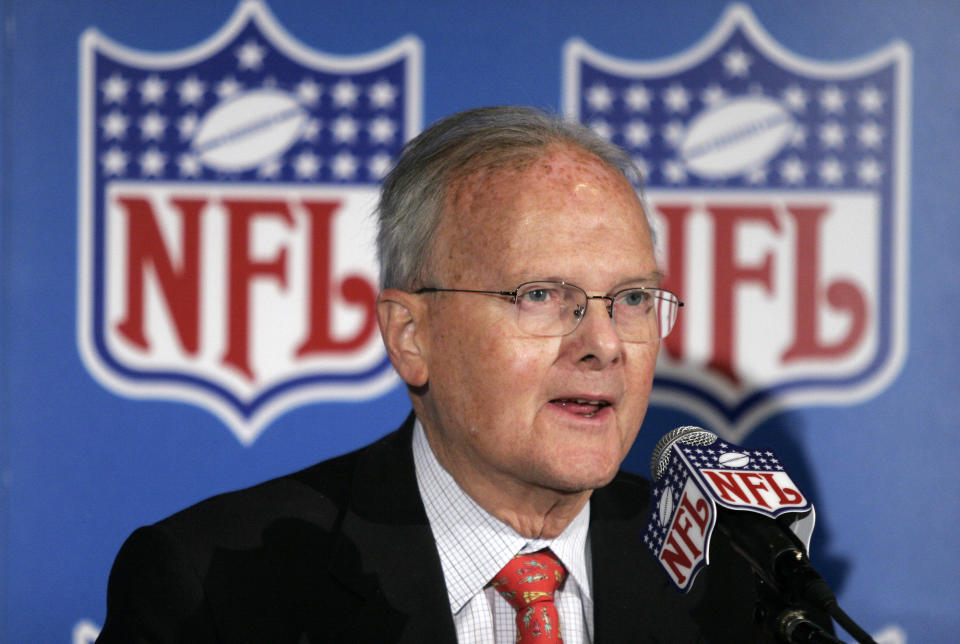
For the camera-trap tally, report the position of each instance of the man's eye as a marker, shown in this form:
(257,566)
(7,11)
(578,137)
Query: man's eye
(537,295)
(635,298)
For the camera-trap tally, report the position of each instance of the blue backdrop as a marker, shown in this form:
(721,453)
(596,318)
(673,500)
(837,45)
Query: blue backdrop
(95,443)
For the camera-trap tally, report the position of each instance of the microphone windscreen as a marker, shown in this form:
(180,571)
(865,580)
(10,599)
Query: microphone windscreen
(687,435)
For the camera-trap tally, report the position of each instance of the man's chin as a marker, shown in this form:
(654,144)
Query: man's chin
(576,482)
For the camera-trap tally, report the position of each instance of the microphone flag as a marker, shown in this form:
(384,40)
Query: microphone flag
(694,479)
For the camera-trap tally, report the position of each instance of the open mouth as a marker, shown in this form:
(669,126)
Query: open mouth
(581,406)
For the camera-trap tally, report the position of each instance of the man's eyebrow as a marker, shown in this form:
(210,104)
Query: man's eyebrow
(651,279)
(654,278)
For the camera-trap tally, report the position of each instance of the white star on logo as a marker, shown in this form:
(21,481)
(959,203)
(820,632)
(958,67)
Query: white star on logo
(379,165)
(188,165)
(152,162)
(308,92)
(344,166)
(674,172)
(832,99)
(712,95)
(637,97)
(344,129)
(793,170)
(345,93)
(114,125)
(599,97)
(187,125)
(757,176)
(637,133)
(736,63)
(832,135)
(306,165)
(870,135)
(798,138)
(601,128)
(312,130)
(250,55)
(869,171)
(382,130)
(870,100)
(115,88)
(152,89)
(795,98)
(114,161)
(382,94)
(674,132)
(227,87)
(191,91)
(152,126)
(676,98)
(269,170)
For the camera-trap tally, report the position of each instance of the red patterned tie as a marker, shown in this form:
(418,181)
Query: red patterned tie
(528,583)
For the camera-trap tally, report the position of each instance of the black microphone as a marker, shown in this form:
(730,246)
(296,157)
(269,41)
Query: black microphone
(702,483)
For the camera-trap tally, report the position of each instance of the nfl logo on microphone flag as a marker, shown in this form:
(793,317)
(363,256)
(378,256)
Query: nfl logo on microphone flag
(699,479)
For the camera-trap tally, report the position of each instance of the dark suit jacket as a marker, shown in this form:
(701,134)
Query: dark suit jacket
(342,552)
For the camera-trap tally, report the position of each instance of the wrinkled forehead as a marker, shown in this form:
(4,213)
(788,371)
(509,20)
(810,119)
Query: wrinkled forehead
(506,176)
(517,208)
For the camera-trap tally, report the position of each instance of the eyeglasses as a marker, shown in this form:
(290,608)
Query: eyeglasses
(640,314)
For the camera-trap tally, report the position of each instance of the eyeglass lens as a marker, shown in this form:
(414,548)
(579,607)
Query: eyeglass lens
(553,308)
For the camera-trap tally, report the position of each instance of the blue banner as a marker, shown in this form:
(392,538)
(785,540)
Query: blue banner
(188,273)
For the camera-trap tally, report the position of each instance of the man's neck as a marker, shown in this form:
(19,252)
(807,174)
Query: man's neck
(533,512)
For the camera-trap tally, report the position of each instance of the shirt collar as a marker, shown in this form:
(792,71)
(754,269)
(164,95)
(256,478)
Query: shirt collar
(473,544)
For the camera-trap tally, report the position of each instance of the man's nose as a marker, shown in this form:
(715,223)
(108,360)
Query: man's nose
(598,340)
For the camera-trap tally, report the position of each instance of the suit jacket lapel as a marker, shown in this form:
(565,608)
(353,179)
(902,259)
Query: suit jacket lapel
(385,551)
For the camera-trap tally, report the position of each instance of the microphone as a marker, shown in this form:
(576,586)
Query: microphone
(702,483)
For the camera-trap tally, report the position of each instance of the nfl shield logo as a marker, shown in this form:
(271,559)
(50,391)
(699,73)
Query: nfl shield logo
(226,192)
(693,478)
(778,186)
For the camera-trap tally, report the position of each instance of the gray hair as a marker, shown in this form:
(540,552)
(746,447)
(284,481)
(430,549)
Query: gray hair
(413,194)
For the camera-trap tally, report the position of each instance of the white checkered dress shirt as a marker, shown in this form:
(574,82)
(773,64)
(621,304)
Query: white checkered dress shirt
(474,546)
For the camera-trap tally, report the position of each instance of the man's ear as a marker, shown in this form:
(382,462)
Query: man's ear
(401,316)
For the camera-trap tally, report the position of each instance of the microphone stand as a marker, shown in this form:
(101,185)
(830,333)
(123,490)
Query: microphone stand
(784,570)
(805,582)
(790,622)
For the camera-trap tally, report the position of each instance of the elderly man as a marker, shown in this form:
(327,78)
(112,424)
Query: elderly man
(521,306)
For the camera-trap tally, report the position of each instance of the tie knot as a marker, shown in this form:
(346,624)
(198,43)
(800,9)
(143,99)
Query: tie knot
(530,579)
